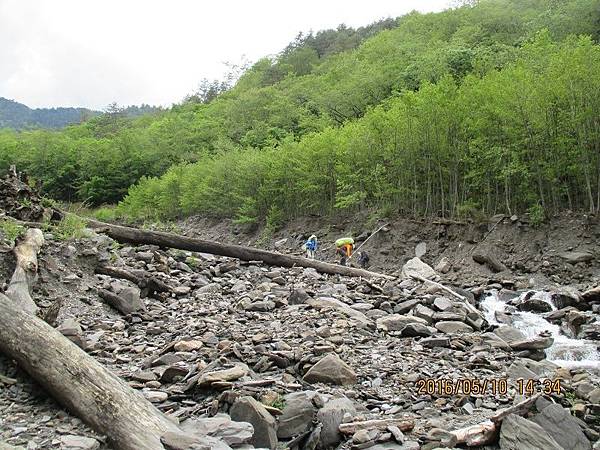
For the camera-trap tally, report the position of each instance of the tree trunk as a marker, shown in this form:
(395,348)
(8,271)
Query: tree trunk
(147,283)
(79,382)
(169,240)
(25,273)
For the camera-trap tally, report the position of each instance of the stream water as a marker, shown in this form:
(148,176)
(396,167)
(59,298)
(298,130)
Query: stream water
(565,352)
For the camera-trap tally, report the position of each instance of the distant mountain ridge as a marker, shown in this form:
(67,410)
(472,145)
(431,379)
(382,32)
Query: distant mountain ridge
(18,116)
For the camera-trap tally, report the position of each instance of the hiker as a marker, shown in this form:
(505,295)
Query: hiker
(344,248)
(311,247)
(363,259)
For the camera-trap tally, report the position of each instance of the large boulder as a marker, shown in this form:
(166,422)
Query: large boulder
(331,370)
(518,433)
(562,427)
(331,416)
(297,415)
(417,267)
(247,409)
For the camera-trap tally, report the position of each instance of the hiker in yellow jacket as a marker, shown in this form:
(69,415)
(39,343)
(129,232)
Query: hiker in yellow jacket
(344,248)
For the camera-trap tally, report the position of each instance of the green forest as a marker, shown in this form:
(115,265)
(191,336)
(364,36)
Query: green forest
(490,107)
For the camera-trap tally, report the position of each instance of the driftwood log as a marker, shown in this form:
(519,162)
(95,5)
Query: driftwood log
(169,240)
(26,269)
(71,376)
(148,284)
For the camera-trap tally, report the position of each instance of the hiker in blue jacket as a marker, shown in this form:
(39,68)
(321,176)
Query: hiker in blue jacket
(311,247)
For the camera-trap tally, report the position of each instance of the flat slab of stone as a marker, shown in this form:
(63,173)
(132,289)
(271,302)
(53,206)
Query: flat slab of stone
(450,327)
(331,370)
(518,433)
(563,427)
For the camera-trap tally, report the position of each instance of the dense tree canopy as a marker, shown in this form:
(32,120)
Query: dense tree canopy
(487,107)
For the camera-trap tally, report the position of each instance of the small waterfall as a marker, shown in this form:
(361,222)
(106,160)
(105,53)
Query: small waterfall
(565,352)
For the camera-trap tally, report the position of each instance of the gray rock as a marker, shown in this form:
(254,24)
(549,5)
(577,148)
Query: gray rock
(495,341)
(184,441)
(420,249)
(518,433)
(247,409)
(534,305)
(450,327)
(128,298)
(332,370)
(396,322)
(331,416)
(433,342)
(442,304)
(212,288)
(221,426)
(70,327)
(576,257)
(537,343)
(423,312)
(518,369)
(297,415)
(443,266)
(566,297)
(416,330)
(417,267)
(71,441)
(594,396)
(330,302)
(563,427)
(509,334)
(406,306)
(261,306)
(298,297)
(450,315)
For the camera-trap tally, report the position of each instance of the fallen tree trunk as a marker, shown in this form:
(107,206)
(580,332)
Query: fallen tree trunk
(169,240)
(148,285)
(25,274)
(75,379)
(79,382)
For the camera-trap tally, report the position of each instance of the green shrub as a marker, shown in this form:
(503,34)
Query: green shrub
(11,229)
(71,227)
(537,215)
(105,214)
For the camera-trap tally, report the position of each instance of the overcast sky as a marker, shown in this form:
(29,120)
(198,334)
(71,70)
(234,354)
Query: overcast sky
(93,52)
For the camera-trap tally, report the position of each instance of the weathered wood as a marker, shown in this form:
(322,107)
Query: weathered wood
(169,240)
(519,409)
(25,274)
(477,435)
(147,283)
(81,384)
(381,424)
(486,432)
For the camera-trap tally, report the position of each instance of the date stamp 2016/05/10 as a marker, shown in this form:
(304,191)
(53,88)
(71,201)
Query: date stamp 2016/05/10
(485,386)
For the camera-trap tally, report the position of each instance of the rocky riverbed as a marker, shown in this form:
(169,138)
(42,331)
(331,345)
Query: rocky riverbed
(308,360)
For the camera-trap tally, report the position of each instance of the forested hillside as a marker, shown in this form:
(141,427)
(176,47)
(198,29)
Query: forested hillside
(485,108)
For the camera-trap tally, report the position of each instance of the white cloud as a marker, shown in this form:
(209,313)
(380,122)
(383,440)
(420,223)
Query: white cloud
(93,52)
